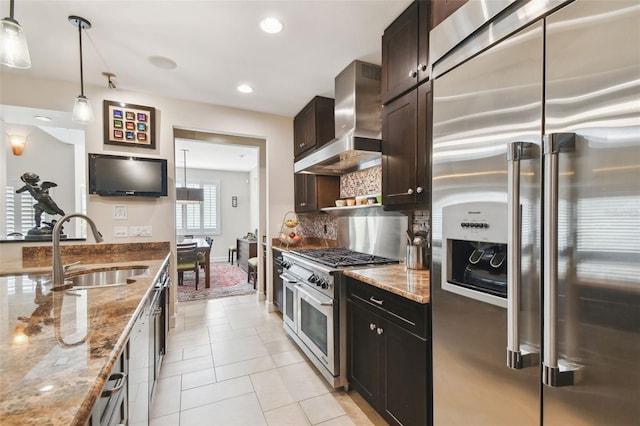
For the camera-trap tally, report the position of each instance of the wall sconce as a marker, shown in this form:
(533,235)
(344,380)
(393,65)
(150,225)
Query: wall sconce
(234,201)
(17,143)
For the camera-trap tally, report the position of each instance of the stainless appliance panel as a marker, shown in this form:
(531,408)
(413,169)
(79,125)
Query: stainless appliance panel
(479,108)
(316,326)
(593,90)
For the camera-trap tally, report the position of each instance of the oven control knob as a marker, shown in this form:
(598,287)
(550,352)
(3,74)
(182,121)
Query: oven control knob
(313,278)
(324,284)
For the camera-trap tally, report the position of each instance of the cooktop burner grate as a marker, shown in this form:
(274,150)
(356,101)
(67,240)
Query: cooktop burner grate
(337,257)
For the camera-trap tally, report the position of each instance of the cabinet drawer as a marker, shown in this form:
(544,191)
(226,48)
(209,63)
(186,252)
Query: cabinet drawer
(410,315)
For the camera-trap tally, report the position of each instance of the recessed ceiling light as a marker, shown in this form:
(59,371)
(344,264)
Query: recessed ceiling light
(42,118)
(162,62)
(271,25)
(245,88)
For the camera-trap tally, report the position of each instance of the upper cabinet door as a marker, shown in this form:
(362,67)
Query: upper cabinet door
(314,125)
(400,54)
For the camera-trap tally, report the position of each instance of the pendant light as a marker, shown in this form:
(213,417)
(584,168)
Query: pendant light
(82,112)
(14,51)
(188,195)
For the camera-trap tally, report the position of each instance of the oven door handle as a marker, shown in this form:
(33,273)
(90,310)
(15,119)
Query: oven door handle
(301,290)
(288,279)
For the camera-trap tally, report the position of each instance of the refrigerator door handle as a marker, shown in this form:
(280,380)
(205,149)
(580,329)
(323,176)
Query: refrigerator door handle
(518,356)
(555,372)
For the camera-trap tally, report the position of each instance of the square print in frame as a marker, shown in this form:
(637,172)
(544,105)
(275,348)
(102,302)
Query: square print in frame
(139,118)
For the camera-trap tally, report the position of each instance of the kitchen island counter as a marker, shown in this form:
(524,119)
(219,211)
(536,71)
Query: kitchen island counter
(57,348)
(413,284)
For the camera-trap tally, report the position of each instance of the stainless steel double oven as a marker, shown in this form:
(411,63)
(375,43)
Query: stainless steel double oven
(314,305)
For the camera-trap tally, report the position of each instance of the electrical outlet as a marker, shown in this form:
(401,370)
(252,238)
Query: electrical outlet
(120,232)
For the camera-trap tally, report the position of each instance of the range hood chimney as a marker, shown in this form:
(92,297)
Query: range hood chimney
(358,109)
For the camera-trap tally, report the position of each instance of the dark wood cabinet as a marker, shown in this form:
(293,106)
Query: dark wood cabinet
(277,281)
(314,125)
(388,353)
(406,149)
(405,51)
(245,250)
(442,9)
(313,192)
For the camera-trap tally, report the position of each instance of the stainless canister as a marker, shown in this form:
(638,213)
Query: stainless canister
(417,257)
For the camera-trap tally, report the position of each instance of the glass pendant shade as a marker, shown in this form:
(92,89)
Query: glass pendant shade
(82,112)
(14,51)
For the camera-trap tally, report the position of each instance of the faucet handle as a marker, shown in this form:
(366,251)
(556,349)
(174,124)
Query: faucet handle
(66,267)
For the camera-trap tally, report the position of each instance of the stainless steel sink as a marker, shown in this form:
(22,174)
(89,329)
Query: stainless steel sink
(108,278)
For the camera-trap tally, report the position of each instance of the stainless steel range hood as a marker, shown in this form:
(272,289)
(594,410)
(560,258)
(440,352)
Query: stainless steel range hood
(357,124)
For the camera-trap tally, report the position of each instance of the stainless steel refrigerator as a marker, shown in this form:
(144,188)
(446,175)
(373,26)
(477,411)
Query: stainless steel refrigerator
(536,214)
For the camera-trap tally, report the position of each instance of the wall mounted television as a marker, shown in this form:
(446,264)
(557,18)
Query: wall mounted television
(113,175)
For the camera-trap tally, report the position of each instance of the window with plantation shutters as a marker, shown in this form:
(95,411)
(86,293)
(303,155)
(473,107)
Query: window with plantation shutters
(10,210)
(19,211)
(201,218)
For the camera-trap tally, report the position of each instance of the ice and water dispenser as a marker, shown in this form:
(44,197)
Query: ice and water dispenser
(475,246)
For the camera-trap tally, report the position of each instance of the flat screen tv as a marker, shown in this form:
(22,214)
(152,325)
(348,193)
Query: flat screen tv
(113,175)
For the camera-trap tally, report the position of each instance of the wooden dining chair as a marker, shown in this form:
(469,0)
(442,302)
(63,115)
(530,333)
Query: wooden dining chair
(187,260)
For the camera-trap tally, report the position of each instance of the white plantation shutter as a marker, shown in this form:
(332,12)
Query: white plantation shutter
(26,212)
(210,206)
(10,210)
(202,218)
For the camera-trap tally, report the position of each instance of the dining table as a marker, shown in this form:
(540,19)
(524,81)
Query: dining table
(205,248)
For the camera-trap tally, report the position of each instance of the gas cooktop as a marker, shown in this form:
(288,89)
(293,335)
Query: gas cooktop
(340,257)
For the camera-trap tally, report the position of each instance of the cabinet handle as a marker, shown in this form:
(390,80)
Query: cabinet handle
(376,301)
(300,145)
(413,74)
(410,191)
(372,326)
(121,380)
(380,331)
(422,67)
(419,190)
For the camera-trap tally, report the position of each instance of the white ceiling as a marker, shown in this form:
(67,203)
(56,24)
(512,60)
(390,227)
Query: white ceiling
(215,156)
(216,44)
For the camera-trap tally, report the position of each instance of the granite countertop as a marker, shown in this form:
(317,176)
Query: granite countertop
(57,347)
(414,284)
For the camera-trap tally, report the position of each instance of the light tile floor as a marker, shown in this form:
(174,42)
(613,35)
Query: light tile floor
(229,362)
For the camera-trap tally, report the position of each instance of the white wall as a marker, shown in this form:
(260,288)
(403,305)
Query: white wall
(20,90)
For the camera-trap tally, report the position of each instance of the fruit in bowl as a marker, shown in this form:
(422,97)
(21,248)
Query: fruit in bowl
(297,239)
(291,223)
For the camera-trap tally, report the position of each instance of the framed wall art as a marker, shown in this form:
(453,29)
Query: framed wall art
(128,124)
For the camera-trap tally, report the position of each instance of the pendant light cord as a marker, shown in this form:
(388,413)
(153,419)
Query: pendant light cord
(11,5)
(184,152)
(81,73)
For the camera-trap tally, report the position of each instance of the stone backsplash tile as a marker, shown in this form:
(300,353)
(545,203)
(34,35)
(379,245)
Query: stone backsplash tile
(362,182)
(320,225)
(95,253)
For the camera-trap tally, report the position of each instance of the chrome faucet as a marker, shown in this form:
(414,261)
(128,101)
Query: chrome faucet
(58,268)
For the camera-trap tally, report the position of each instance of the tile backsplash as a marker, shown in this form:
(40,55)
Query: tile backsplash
(321,225)
(362,182)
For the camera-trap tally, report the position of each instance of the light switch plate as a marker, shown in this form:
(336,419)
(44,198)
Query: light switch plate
(119,212)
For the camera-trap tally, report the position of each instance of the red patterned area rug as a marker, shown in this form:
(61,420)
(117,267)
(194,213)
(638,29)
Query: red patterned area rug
(226,280)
